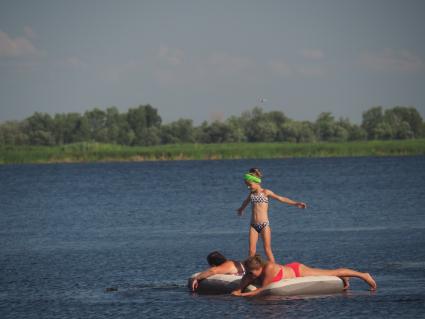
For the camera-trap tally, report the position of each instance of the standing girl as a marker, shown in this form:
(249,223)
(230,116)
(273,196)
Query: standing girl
(260,225)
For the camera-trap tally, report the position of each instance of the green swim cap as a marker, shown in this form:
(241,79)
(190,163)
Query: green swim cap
(251,178)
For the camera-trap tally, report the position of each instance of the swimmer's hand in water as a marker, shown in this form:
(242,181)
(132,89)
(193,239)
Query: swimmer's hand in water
(237,293)
(300,205)
(195,284)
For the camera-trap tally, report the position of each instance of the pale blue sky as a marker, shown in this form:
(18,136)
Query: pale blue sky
(208,60)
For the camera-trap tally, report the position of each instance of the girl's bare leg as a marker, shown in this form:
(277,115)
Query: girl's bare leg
(340,272)
(253,238)
(266,235)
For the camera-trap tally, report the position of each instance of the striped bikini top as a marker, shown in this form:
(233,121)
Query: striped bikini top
(258,198)
(240,267)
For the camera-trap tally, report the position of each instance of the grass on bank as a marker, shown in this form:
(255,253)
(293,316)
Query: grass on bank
(93,152)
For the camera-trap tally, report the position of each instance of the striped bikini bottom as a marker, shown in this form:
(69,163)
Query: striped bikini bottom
(260,226)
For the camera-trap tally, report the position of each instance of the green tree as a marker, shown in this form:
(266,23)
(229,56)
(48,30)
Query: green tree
(383,131)
(357,133)
(261,131)
(327,129)
(151,136)
(411,116)
(96,119)
(60,123)
(276,117)
(371,119)
(113,124)
(296,132)
(236,128)
(260,126)
(145,122)
(218,132)
(167,135)
(12,133)
(82,132)
(40,127)
(307,132)
(325,126)
(405,122)
(180,131)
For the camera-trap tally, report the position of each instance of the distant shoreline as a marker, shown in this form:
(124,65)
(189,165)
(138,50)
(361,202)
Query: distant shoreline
(95,152)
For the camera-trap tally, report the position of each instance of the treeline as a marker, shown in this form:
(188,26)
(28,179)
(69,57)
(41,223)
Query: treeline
(143,126)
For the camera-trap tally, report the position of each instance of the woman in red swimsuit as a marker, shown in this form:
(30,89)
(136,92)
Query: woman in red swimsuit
(269,272)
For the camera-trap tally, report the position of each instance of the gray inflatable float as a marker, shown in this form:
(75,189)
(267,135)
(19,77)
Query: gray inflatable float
(312,285)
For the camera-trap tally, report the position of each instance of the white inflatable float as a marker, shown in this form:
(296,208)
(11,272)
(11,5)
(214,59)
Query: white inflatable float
(313,285)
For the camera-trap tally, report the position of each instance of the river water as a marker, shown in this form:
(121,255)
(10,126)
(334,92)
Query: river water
(119,240)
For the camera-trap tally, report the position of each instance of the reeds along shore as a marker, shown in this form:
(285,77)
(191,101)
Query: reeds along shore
(95,152)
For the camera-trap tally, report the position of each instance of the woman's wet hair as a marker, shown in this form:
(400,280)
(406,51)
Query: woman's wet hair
(253,262)
(256,172)
(215,258)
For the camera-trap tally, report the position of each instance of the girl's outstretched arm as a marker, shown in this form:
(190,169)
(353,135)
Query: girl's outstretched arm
(268,278)
(245,282)
(239,293)
(224,268)
(243,206)
(285,199)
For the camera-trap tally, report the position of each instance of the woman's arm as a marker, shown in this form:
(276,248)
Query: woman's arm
(247,294)
(245,282)
(243,206)
(269,271)
(225,268)
(285,199)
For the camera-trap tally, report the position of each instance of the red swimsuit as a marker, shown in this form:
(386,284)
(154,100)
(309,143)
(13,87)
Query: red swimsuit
(295,267)
(279,275)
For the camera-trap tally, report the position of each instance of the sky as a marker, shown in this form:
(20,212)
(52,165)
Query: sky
(208,60)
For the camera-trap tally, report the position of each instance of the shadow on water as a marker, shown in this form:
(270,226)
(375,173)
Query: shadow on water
(145,289)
